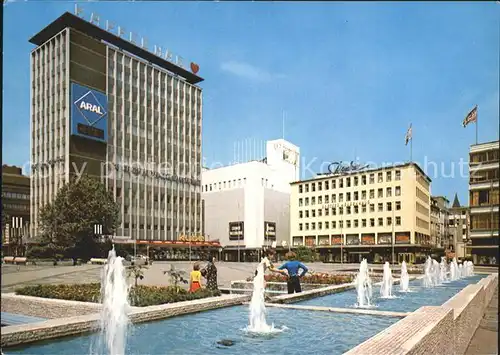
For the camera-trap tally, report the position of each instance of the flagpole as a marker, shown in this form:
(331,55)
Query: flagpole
(411,147)
(477,119)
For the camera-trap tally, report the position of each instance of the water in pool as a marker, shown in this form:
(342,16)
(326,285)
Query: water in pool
(306,331)
(404,302)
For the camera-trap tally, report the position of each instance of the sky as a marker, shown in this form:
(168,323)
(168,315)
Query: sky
(349,78)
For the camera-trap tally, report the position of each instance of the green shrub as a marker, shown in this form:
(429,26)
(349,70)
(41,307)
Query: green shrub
(140,296)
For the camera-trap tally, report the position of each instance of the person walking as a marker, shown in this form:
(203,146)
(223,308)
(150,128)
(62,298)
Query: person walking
(210,273)
(195,278)
(292,266)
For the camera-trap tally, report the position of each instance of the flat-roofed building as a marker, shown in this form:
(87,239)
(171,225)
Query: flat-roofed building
(484,173)
(364,213)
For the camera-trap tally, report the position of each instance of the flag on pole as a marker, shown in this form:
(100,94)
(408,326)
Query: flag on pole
(408,136)
(471,117)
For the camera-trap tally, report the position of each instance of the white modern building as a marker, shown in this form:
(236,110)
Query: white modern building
(246,206)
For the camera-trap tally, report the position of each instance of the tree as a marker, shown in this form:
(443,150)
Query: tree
(306,254)
(176,276)
(68,221)
(137,272)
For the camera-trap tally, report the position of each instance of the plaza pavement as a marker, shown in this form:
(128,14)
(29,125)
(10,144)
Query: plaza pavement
(16,276)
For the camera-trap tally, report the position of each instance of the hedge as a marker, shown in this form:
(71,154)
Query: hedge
(140,296)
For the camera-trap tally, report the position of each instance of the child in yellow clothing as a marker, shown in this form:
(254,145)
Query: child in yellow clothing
(195,278)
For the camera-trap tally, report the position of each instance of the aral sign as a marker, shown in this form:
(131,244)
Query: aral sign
(89,113)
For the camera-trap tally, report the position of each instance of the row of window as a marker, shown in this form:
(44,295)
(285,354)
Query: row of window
(348,209)
(492,156)
(332,184)
(484,197)
(348,224)
(128,64)
(15,195)
(192,229)
(217,186)
(350,196)
(16,206)
(485,221)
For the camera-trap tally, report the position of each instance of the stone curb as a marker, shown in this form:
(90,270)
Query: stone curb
(56,328)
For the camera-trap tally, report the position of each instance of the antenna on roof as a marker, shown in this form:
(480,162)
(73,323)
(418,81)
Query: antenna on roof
(283,125)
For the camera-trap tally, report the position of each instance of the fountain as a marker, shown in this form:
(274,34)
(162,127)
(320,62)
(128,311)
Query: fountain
(454,270)
(436,273)
(404,282)
(257,317)
(386,286)
(363,285)
(427,280)
(443,270)
(468,268)
(461,270)
(115,306)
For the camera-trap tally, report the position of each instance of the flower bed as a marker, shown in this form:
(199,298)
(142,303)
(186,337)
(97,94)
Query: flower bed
(140,296)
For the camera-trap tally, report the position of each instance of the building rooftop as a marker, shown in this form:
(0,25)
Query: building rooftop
(72,21)
(456,203)
(364,171)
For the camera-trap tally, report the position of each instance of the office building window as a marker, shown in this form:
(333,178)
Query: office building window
(300,189)
(300,226)
(388,176)
(320,225)
(313,187)
(380,222)
(397,175)
(363,223)
(398,205)
(389,206)
(300,214)
(389,221)
(372,222)
(388,192)
(398,221)
(381,207)
(380,193)
(327,225)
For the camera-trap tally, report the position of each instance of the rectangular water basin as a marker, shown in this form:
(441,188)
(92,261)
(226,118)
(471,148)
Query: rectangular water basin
(403,302)
(305,331)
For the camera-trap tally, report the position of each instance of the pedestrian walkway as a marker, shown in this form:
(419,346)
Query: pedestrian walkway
(485,340)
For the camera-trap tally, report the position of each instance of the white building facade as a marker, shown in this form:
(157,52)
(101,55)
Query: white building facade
(246,206)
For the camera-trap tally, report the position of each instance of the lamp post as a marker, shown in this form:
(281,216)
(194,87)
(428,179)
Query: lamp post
(393,235)
(239,234)
(341,236)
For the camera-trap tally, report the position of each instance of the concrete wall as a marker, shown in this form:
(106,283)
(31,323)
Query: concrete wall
(442,330)
(220,209)
(45,307)
(276,209)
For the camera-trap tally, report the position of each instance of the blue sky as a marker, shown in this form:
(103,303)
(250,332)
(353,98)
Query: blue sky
(351,77)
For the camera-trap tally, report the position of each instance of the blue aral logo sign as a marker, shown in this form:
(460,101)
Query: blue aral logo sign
(89,113)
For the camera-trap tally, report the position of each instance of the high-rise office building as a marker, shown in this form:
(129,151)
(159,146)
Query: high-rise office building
(106,104)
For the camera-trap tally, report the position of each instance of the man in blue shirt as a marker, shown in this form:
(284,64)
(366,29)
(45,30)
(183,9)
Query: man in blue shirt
(293,266)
